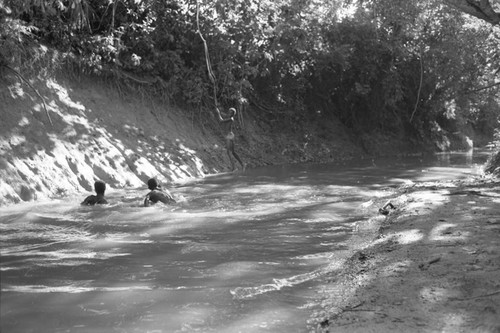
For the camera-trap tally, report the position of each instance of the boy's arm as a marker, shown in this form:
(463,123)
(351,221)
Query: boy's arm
(146,200)
(85,202)
(219,115)
(167,197)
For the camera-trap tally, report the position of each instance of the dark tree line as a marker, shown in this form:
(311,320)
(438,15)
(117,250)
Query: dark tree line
(414,68)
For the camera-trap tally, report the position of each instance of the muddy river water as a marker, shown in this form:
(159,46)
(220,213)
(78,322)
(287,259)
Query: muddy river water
(240,252)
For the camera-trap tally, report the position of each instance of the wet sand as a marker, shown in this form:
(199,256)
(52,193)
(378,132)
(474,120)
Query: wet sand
(434,267)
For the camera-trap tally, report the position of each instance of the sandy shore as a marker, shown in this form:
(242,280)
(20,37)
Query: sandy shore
(434,267)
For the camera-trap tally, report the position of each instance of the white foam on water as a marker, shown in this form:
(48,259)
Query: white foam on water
(278,284)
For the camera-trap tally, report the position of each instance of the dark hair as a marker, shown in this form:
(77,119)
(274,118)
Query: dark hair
(99,187)
(152,184)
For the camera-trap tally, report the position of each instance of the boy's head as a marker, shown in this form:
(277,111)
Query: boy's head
(99,187)
(232,111)
(152,184)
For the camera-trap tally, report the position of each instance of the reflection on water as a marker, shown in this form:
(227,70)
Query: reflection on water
(242,252)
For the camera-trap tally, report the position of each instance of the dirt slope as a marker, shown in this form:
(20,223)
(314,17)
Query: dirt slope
(96,134)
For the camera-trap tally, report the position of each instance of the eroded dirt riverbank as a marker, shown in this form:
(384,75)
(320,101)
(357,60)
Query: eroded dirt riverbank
(435,266)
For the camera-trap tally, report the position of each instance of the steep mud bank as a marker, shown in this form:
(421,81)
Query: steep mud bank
(125,137)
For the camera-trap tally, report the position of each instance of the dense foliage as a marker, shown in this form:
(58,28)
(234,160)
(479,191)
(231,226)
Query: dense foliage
(414,68)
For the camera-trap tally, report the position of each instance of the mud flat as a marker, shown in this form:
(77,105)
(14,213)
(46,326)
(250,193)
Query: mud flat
(434,266)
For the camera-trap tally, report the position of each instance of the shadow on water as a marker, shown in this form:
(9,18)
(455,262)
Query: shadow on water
(240,251)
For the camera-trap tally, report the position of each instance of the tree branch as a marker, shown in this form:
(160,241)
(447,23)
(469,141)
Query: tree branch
(481,9)
(486,87)
(31,86)
(419,86)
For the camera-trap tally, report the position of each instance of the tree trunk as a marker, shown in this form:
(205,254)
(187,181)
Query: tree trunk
(112,26)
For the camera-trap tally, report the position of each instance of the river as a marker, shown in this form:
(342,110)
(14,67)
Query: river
(240,252)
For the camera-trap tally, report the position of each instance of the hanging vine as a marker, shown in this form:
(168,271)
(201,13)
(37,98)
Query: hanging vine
(210,72)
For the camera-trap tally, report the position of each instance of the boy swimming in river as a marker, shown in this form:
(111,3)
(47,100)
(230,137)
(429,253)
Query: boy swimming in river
(157,194)
(91,200)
